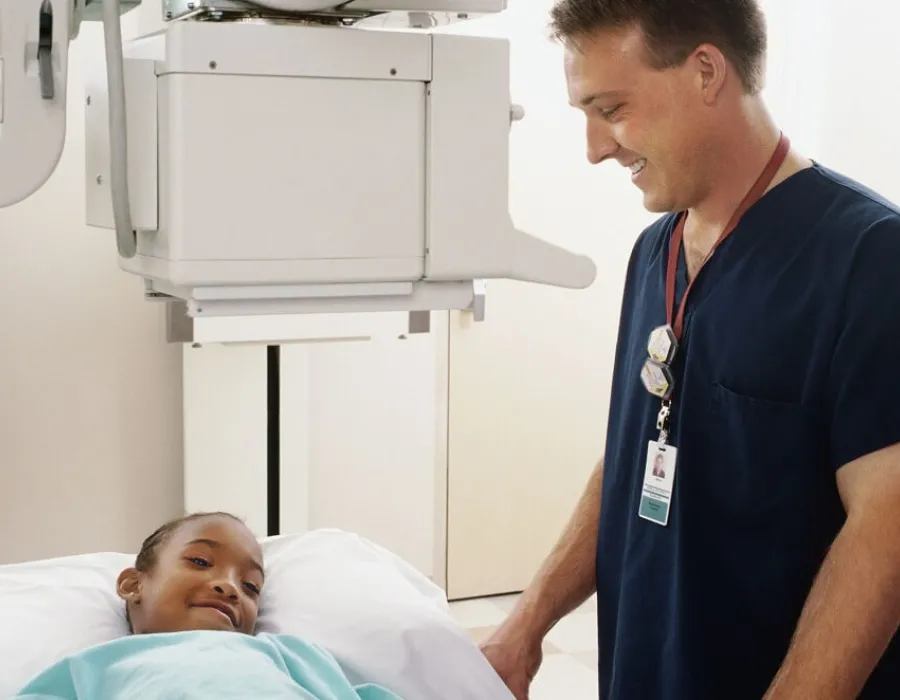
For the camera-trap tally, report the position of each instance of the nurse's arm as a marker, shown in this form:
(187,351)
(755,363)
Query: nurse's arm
(853,610)
(568,577)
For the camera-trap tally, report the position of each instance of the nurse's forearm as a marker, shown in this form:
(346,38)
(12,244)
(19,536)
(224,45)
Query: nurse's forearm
(568,576)
(850,617)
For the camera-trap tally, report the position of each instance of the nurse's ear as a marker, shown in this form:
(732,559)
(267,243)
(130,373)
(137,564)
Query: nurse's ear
(128,586)
(710,70)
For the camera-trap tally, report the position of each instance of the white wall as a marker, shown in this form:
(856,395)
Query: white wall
(832,84)
(90,403)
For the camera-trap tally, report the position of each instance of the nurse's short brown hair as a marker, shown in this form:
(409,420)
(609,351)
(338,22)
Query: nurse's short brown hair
(673,29)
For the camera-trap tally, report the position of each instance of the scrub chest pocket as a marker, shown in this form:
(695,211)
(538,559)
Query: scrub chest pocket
(765,458)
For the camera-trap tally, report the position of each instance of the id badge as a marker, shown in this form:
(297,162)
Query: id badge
(659,483)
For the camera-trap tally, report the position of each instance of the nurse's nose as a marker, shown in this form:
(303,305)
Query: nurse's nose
(600,143)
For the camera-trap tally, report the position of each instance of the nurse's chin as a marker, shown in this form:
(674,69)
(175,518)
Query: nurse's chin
(657,206)
(657,203)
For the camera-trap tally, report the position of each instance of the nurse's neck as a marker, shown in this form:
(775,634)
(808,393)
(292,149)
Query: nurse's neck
(737,155)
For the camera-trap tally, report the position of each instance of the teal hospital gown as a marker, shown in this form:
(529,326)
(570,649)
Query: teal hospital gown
(200,666)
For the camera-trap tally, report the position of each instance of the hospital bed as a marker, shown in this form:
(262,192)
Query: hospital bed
(383,621)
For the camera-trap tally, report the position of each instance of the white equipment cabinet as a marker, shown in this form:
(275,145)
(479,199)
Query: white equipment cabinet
(283,169)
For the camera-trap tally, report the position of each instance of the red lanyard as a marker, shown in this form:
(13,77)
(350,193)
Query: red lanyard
(752,197)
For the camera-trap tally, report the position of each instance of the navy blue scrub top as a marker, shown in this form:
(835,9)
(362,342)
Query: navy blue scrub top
(789,368)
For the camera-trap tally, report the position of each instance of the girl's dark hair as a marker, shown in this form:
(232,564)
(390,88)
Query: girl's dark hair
(146,558)
(674,28)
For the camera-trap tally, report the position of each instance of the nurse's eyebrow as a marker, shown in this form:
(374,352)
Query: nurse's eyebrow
(217,545)
(595,96)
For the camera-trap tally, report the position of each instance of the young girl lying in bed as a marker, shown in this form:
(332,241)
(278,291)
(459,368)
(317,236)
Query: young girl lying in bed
(191,600)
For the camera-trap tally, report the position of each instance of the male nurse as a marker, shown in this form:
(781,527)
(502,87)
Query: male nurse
(758,361)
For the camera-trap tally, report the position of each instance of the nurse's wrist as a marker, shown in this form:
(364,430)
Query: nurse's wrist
(529,624)
(519,634)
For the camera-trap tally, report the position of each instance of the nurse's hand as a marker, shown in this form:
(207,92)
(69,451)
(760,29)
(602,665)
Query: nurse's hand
(515,659)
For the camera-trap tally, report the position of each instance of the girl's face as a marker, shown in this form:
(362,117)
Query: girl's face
(208,575)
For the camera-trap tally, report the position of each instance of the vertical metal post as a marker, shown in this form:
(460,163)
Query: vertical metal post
(273,441)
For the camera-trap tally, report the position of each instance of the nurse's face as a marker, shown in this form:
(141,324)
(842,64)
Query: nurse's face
(651,122)
(207,576)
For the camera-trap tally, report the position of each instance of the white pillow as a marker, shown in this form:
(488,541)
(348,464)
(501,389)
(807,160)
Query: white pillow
(50,609)
(385,622)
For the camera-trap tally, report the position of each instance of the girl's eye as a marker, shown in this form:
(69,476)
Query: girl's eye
(199,561)
(252,588)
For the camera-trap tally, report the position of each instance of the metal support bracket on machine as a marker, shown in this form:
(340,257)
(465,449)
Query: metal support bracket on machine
(479,302)
(180,325)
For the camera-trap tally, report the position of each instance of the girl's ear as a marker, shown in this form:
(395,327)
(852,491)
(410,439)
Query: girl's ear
(128,586)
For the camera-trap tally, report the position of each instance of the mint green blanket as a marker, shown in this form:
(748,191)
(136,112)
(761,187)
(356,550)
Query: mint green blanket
(200,666)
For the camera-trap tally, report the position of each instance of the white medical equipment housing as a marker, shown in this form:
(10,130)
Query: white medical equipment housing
(284,156)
